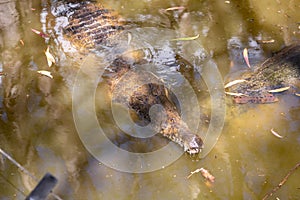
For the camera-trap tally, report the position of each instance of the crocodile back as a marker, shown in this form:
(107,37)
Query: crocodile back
(90,25)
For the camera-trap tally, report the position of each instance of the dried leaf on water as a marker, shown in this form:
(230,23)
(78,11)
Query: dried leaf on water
(245,54)
(43,35)
(22,42)
(205,173)
(50,58)
(46,73)
(268,41)
(231,83)
(175,8)
(276,134)
(186,38)
(279,90)
(235,94)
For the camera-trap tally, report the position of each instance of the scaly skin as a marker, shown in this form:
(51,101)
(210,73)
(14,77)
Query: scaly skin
(281,70)
(90,25)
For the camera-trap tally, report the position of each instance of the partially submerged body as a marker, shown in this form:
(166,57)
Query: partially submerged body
(277,74)
(91,28)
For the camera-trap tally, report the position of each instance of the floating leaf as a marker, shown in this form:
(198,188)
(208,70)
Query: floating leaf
(50,58)
(36,31)
(276,134)
(279,90)
(245,54)
(22,42)
(43,35)
(46,73)
(208,176)
(235,94)
(231,83)
(186,38)
(175,8)
(297,94)
(268,41)
(205,173)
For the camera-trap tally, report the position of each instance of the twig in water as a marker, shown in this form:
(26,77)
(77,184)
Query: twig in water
(282,182)
(25,171)
(18,165)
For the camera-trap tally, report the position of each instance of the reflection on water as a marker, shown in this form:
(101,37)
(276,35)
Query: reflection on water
(37,127)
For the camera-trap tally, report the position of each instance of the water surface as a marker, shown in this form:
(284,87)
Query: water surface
(37,127)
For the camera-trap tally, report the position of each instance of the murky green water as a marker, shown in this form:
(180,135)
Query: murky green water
(37,127)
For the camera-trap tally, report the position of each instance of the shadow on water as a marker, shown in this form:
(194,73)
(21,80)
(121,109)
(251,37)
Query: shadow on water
(38,130)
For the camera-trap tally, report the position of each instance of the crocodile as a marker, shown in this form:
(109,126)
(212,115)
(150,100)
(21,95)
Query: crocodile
(91,27)
(277,74)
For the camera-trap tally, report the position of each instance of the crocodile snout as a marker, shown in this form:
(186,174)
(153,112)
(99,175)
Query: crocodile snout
(193,145)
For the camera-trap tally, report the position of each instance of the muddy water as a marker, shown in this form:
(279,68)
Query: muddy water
(38,130)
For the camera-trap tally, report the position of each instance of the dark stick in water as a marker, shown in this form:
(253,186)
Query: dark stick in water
(282,182)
